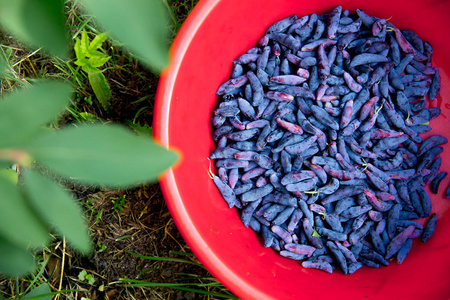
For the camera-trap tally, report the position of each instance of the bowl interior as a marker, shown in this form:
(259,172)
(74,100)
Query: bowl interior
(213,36)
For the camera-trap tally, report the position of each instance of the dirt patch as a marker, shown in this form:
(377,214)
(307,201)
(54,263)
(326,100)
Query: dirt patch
(141,224)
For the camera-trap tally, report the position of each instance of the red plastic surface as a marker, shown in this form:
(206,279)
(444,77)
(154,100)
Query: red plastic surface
(217,32)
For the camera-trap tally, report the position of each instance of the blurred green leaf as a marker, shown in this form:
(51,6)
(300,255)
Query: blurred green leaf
(25,111)
(101,88)
(18,223)
(5,163)
(102,154)
(58,208)
(15,261)
(39,292)
(10,175)
(140,24)
(38,23)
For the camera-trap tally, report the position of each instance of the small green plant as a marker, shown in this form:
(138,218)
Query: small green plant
(118,203)
(87,99)
(90,60)
(99,216)
(85,277)
(101,247)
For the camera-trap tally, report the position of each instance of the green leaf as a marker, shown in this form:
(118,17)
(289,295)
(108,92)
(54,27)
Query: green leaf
(10,175)
(146,30)
(88,69)
(97,42)
(25,111)
(82,275)
(18,223)
(14,261)
(38,23)
(101,154)
(95,54)
(81,62)
(40,292)
(97,62)
(84,42)
(101,88)
(57,207)
(78,52)
(90,279)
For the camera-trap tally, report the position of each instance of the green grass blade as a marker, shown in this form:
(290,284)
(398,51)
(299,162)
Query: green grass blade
(213,280)
(159,284)
(179,286)
(37,276)
(167,259)
(212,294)
(182,253)
(190,276)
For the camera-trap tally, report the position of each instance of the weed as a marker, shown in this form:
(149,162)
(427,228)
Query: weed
(90,59)
(99,215)
(86,277)
(123,237)
(91,211)
(118,203)
(101,247)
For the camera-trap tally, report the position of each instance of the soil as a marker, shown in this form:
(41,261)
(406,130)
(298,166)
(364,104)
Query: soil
(143,227)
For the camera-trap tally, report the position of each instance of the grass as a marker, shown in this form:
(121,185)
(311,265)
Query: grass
(204,285)
(139,253)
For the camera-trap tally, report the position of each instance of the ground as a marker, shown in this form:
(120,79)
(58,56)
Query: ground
(125,225)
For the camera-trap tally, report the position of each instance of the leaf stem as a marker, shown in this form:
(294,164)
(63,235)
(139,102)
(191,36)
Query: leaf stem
(16,155)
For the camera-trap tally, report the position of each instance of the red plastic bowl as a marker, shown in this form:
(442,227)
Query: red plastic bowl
(216,32)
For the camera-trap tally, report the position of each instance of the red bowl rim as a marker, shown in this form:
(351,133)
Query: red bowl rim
(167,181)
